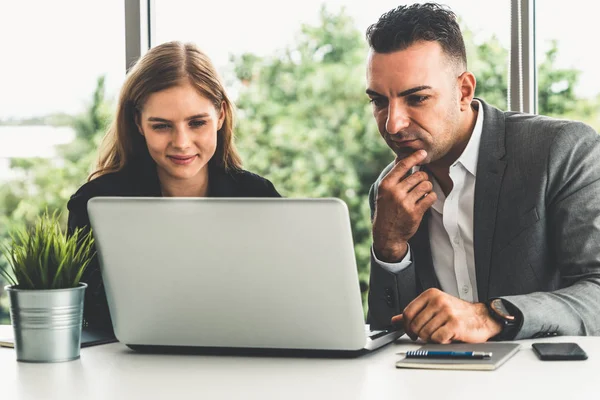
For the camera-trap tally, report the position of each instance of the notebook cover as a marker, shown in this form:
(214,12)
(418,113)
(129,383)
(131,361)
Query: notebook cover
(500,353)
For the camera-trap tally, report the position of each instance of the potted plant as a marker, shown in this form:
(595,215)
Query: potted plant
(44,267)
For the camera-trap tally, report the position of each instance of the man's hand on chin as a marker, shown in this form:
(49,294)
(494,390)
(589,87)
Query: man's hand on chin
(435,316)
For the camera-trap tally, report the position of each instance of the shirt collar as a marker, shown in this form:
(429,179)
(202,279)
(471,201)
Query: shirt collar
(470,154)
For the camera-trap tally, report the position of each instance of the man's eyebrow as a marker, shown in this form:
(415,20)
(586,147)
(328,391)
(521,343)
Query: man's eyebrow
(413,90)
(405,93)
(373,93)
(157,119)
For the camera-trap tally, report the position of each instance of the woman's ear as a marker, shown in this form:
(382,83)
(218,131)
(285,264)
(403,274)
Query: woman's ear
(138,122)
(221,116)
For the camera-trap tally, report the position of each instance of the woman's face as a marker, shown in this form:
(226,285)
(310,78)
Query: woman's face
(180,126)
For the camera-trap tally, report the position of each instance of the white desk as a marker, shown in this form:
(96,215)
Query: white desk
(115,372)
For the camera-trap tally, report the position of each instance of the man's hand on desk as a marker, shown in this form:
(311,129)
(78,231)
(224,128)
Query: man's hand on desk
(438,317)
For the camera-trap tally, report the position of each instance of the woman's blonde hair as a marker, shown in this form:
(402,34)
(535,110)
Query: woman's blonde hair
(163,67)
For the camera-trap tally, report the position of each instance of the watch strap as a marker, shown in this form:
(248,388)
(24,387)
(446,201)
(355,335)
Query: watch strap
(510,328)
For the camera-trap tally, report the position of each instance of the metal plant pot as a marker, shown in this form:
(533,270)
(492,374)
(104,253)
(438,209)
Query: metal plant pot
(47,323)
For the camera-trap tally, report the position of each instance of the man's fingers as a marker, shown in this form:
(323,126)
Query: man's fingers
(410,187)
(433,325)
(408,320)
(398,319)
(444,335)
(426,202)
(422,318)
(404,165)
(414,307)
(412,182)
(421,190)
(412,335)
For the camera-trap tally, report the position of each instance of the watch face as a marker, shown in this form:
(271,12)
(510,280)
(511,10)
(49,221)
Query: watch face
(498,306)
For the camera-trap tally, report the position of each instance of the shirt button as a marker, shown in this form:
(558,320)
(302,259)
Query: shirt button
(457,240)
(465,289)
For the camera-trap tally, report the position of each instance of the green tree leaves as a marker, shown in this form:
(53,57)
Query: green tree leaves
(303,121)
(47,184)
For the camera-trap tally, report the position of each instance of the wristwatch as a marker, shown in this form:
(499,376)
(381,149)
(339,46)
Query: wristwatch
(510,320)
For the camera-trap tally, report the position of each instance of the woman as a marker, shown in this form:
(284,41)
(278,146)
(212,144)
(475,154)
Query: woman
(172,136)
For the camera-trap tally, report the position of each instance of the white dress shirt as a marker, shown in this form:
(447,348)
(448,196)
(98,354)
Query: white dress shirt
(451,225)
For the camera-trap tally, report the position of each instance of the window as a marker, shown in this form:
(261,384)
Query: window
(487,39)
(55,55)
(567,63)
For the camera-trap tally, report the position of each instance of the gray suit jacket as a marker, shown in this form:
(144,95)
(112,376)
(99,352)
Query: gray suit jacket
(536,228)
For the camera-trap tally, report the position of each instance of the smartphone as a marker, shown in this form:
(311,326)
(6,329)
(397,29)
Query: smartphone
(559,351)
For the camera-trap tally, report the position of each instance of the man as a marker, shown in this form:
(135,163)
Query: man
(487,224)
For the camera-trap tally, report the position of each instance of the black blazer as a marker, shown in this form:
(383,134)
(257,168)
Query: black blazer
(142,181)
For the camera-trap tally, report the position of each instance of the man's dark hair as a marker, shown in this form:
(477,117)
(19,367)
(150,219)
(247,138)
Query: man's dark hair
(403,26)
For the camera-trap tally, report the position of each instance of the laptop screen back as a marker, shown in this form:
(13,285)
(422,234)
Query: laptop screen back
(258,273)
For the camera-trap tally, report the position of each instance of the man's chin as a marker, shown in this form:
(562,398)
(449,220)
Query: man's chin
(403,152)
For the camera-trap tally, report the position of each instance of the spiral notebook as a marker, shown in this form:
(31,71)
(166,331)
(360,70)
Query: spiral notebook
(501,352)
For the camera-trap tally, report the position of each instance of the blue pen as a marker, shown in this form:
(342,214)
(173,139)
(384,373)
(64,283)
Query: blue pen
(447,354)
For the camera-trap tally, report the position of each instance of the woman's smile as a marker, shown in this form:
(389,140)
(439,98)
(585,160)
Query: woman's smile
(182,160)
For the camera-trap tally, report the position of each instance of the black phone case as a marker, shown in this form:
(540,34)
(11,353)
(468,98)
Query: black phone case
(559,351)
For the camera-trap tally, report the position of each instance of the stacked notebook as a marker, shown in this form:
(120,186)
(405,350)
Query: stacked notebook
(501,352)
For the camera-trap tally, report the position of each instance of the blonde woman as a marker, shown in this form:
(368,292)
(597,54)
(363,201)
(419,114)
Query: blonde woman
(172,136)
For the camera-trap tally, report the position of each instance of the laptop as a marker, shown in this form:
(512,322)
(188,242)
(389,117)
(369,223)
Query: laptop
(253,274)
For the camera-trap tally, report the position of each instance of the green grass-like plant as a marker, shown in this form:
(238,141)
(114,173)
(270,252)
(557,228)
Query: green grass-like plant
(45,257)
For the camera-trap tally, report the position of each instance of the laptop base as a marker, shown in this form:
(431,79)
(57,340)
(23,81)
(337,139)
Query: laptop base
(373,345)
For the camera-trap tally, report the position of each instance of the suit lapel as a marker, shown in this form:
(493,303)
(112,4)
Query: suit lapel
(490,172)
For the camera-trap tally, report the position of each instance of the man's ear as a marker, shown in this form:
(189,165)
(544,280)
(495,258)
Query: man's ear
(466,86)
(138,122)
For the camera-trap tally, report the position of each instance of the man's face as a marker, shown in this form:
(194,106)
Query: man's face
(416,99)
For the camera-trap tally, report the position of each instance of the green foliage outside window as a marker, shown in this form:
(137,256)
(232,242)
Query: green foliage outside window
(304,122)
